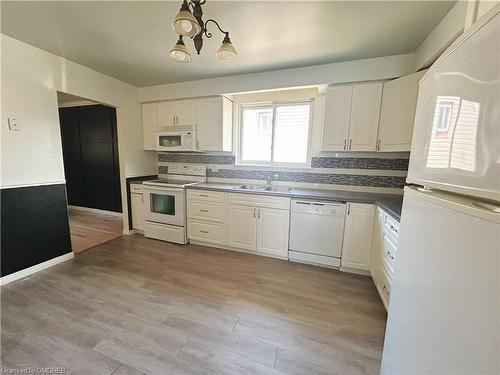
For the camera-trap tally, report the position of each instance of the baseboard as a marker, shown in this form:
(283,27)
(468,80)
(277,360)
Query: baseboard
(224,247)
(356,271)
(129,232)
(36,268)
(96,210)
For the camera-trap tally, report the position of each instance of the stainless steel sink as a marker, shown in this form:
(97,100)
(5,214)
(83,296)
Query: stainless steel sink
(279,189)
(256,187)
(252,187)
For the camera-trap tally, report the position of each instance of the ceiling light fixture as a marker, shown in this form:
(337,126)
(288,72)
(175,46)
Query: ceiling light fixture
(191,24)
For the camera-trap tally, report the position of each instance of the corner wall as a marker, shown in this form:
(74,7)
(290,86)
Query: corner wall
(31,156)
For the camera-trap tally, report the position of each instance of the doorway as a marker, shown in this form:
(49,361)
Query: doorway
(91,167)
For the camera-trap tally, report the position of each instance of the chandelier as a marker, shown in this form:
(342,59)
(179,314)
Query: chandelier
(190,24)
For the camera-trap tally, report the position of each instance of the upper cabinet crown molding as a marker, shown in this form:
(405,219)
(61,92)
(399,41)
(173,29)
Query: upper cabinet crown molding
(399,102)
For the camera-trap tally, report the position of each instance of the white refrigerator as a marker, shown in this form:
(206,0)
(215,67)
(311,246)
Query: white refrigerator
(444,311)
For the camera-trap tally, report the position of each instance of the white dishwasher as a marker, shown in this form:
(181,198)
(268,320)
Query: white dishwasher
(316,232)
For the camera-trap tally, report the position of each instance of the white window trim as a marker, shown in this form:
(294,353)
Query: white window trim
(274,104)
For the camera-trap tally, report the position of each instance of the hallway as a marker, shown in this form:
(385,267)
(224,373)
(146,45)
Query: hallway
(89,229)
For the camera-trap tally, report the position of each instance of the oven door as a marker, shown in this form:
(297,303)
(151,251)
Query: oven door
(164,205)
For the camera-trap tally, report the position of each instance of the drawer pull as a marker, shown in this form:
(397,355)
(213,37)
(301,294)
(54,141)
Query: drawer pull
(204,195)
(386,291)
(204,231)
(394,229)
(390,255)
(203,210)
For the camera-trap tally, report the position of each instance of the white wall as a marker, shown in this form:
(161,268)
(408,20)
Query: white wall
(379,68)
(30,79)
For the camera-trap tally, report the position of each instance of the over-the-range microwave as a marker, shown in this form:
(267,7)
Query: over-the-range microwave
(175,141)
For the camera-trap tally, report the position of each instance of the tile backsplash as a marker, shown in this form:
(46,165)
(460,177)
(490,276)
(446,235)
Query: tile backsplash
(380,172)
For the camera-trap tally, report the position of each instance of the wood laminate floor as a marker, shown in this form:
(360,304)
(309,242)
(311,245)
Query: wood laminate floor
(89,229)
(135,305)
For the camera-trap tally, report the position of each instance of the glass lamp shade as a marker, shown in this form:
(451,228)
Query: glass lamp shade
(185,23)
(180,53)
(226,51)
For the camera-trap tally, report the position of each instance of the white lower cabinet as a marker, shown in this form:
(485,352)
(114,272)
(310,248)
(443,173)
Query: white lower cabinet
(358,232)
(242,227)
(206,231)
(136,206)
(272,231)
(253,223)
(383,253)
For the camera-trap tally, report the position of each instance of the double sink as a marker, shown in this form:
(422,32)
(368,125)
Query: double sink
(255,187)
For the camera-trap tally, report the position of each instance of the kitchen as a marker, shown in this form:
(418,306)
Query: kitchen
(249,199)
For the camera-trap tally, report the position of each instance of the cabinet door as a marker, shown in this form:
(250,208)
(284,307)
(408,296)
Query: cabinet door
(137,210)
(185,112)
(242,227)
(397,115)
(167,112)
(336,118)
(365,112)
(149,125)
(214,124)
(376,245)
(272,231)
(358,233)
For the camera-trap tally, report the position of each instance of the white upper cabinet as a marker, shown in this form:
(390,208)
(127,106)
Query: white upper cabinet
(214,130)
(351,117)
(186,113)
(177,113)
(336,118)
(399,101)
(358,232)
(149,125)
(365,113)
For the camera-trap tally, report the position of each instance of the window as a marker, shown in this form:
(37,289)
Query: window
(444,116)
(275,133)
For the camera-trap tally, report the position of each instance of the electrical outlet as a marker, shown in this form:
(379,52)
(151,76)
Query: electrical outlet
(12,123)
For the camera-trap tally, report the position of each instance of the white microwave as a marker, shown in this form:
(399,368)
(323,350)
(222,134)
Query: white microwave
(175,141)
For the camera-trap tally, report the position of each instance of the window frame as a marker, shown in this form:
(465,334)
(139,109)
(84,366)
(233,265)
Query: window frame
(273,105)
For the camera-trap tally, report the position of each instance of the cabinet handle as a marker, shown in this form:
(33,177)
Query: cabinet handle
(393,229)
(254,213)
(345,143)
(378,145)
(204,195)
(350,144)
(203,210)
(258,214)
(390,256)
(204,231)
(348,209)
(386,291)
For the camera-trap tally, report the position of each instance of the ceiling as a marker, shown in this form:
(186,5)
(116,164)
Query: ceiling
(130,40)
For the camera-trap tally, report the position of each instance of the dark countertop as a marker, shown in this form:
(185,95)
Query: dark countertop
(390,203)
(140,179)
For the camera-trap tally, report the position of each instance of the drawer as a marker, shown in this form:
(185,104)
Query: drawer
(391,225)
(389,250)
(136,188)
(258,201)
(201,210)
(205,231)
(205,195)
(384,288)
